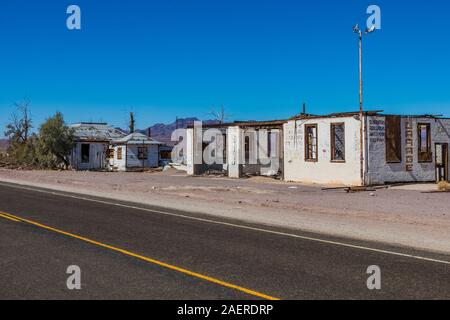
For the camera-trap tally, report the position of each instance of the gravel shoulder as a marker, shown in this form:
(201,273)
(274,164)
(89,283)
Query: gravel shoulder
(396,216)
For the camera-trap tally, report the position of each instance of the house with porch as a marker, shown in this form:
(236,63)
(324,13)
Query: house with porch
(99,146)
(134,152)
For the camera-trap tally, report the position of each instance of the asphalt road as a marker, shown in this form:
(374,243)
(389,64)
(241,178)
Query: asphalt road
(128,251)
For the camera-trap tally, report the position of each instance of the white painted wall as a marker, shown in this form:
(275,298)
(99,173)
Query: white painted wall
(130,157)
(380,172)
(116,163)
(190,151)
(133,161)
(234,143)
(324,170)
(97,156)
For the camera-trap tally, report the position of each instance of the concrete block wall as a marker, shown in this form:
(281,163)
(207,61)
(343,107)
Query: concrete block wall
(380,172)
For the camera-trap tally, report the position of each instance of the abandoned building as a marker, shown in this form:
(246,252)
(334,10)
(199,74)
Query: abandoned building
(99,146)
(134,152)
(92,141)
(165,154)
(249,148)
(333,149)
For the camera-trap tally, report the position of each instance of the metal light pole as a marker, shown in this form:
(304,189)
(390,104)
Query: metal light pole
(360,34)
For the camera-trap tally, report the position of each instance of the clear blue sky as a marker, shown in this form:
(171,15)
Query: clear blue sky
(260,59)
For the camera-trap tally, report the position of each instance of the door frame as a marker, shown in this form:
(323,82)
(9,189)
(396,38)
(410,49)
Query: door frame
(445,159)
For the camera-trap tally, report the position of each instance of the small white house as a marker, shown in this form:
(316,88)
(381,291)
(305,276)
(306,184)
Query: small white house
(134,152)
(91,145)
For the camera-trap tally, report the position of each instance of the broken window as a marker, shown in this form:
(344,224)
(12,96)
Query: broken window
(142,153)
(165,154)
(224,148)
(311,142)
(119,153)
(424,142)
(247,149)
(272,143)
(110,154)
(393,139)
(338,142)
(85,153)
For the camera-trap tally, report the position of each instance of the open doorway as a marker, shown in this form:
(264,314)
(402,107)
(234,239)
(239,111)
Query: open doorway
(441,161)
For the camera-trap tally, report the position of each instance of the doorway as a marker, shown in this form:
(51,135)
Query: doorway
(441,161)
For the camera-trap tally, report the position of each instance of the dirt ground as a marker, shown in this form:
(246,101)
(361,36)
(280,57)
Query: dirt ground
(399,216)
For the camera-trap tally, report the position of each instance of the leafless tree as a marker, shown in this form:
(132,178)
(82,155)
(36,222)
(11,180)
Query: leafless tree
(18,130)
(220,115)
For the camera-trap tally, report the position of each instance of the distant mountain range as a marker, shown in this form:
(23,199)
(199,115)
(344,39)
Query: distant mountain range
(162,132)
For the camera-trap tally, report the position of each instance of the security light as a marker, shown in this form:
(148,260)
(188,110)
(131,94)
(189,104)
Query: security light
(356,29)
(370,30)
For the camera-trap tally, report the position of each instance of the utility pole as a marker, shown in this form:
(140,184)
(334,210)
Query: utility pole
(132,122)
(361,115)
(143,155)
(360,34)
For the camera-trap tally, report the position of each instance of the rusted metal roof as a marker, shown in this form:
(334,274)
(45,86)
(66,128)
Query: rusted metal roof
(100,132)
(335,115)
(244,124)
(365,113)
(305,116)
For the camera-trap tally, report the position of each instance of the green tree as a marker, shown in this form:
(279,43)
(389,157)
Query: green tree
(132,122)
(55,142)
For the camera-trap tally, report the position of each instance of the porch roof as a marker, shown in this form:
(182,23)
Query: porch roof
(136,139)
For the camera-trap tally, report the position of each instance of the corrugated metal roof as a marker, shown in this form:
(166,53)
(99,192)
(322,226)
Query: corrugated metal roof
(96,132)
(136,138)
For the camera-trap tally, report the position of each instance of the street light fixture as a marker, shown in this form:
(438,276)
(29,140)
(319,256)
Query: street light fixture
(358,31)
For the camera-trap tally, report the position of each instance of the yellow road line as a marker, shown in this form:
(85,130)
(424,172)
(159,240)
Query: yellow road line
(9,218)
(138,256)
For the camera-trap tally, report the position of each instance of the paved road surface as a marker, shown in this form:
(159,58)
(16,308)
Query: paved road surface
(126,252)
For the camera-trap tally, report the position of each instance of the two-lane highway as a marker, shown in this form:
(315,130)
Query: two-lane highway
(129,251)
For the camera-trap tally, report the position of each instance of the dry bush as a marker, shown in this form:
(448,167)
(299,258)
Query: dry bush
(444,186)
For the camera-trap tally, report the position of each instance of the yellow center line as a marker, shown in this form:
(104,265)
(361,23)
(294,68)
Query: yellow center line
(138,256)
(9,218)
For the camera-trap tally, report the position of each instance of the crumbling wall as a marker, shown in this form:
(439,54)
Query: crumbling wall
(196,164)
(234,143)
(296,168)
(409,169)
(97,156)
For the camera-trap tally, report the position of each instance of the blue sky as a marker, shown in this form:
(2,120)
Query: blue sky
(260,59)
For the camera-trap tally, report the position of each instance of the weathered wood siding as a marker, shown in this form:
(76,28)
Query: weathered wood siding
(97,156)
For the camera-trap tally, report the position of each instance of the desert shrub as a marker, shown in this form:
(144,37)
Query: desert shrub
(23,154)
(47,149)
(444,186)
